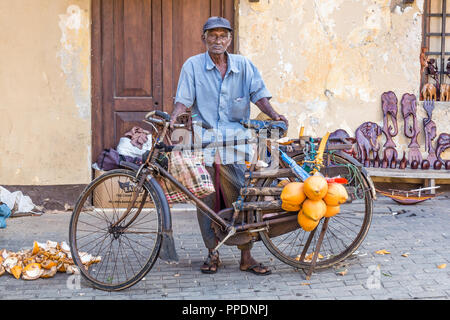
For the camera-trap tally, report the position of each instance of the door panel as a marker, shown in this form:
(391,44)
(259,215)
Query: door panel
(133,49)
(131,70)
(124,121)
(138,48)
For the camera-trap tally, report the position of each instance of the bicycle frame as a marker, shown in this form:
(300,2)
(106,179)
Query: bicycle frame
(152,168)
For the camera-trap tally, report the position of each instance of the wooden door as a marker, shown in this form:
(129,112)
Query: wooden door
(138,48)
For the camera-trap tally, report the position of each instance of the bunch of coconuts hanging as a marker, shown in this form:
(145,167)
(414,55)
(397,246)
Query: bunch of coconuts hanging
(313,199)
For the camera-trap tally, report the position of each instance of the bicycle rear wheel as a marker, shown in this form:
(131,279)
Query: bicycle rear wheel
(345,233)
(121,253)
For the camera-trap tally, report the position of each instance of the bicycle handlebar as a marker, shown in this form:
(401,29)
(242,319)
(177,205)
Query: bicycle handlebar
(166,118)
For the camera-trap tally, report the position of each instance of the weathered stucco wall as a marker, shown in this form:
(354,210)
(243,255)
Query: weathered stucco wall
(45,127)
(327,62)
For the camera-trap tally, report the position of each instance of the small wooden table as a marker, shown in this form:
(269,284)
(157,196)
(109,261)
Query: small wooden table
(429,176)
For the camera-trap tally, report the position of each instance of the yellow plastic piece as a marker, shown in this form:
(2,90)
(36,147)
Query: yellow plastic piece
(319,158)
(302,132)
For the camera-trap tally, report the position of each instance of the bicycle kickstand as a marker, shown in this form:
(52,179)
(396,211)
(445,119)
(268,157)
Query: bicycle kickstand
(230,233)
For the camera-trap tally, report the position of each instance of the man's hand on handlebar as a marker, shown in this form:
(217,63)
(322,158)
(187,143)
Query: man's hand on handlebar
(264,105)
(179,109)
(280,117)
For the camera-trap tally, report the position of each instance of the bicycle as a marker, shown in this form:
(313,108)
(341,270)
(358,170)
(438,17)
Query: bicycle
(128,233)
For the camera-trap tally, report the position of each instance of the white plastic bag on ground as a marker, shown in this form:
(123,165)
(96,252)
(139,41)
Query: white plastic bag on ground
(17,198)
(125,147)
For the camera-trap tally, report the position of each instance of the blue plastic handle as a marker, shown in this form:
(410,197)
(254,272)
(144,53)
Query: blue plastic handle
(298,170)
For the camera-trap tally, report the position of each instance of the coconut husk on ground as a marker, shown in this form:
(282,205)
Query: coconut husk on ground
(43,260)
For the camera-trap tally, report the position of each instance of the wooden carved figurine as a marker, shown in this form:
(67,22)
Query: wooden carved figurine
(423,59)
(341,136)
(445,92)
(443,143)
(432,71)
(447,68)
(409,109)
(389,107)
(366,138)
(429,91)
(429,127)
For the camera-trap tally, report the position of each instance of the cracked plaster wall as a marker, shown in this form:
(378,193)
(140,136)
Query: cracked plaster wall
(45,127)
(327,62)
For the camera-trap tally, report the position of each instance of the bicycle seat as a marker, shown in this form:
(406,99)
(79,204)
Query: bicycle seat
(268,125)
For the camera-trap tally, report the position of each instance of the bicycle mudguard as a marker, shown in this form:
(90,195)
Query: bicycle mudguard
(129,165)
(168,252)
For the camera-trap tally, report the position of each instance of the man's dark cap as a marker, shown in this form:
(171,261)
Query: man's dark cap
(217,22)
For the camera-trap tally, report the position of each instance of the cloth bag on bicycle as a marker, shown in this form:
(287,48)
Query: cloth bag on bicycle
(189,169)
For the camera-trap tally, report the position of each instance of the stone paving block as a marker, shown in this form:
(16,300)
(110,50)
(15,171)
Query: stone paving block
(349,297)
(429,294)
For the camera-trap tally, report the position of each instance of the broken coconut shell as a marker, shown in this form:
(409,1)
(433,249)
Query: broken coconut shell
(16,271)
(10,262)
(35,248)
(65,247)
(3,253)
(32,271)
(48,264)
(49,273)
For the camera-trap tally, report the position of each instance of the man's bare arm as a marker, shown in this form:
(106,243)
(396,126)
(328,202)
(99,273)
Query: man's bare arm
(264,105)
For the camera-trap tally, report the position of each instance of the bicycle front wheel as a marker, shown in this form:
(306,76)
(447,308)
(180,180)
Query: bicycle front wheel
(110,252)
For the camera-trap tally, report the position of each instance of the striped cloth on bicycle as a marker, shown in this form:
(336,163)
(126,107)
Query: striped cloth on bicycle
(189,169)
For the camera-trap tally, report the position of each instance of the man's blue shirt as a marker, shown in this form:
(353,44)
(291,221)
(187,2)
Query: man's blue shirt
(221,103)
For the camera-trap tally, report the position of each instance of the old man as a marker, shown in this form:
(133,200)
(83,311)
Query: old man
(218,87)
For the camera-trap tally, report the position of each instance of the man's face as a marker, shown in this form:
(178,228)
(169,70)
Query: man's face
(217,40)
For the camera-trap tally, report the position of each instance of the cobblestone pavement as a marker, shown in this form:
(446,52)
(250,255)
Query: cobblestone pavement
(420,230)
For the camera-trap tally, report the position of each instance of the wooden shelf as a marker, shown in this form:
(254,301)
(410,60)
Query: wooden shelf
(409,173)
(429,176)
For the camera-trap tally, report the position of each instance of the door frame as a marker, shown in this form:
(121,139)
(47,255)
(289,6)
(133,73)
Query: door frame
(96,79)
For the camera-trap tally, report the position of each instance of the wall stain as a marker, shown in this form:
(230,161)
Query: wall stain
(75,56)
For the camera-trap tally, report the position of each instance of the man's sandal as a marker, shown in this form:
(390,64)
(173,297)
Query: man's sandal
(259,273)
(211,263)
